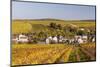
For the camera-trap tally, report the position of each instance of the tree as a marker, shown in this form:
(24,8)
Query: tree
(41,35)
(59,26)
(53,25)
(71,28)
(81,32)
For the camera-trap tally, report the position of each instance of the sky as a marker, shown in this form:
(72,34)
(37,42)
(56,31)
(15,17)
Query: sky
(33,10)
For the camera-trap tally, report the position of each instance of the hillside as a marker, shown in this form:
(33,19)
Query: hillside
(37,25)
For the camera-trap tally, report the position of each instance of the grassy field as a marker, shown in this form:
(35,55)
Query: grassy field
(25,26)
(63,22)
(23,54)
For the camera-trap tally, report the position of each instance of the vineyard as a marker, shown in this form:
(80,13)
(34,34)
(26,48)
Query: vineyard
(24,54)
(36,51)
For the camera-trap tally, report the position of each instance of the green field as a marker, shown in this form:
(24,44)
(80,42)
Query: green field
(25,26)
(63,22)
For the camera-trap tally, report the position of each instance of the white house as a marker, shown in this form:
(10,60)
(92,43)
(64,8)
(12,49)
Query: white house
(55,39)
(22,39)
(93,39)
(60,39)
(84,38)
(81,39)
(47,41)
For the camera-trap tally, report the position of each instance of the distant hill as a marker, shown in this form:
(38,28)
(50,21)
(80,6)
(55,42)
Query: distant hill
(50,19)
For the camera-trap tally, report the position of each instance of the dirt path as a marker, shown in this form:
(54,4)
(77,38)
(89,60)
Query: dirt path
(88,53)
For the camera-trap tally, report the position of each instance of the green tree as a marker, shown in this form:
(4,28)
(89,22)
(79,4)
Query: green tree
(81,32)
(59,26)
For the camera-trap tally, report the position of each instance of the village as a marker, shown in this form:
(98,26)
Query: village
(58,39)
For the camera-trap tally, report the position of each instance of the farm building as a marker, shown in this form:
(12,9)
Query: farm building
(21,38)
(83,38)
